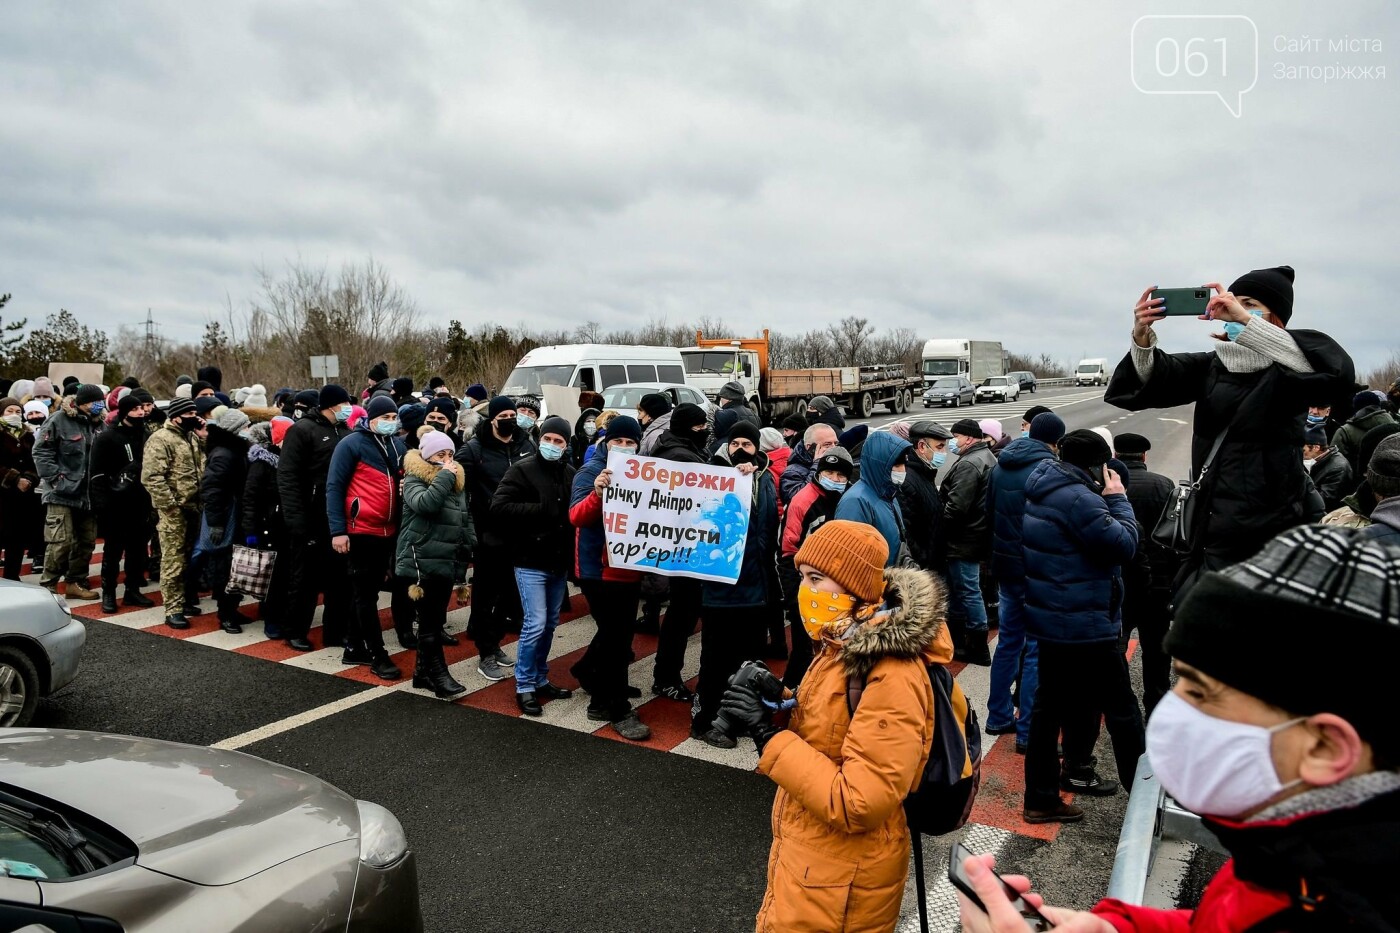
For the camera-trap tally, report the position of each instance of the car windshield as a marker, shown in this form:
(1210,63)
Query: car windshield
(995,381)
(940,367)
(40,841)
(626,396)
(720,362)
(1088,367)
(945,383)
(527,380)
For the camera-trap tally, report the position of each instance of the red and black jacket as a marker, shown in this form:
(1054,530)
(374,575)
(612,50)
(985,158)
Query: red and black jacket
(362,485)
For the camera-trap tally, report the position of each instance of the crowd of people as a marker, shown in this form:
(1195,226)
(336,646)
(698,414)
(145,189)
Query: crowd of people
(868,554)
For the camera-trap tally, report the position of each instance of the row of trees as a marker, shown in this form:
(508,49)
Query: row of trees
(362,315)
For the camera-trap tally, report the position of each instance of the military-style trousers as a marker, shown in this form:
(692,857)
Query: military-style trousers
(179,578)
(70,534)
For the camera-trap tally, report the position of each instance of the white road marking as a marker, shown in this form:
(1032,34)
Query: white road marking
(1173,420)
(300,719)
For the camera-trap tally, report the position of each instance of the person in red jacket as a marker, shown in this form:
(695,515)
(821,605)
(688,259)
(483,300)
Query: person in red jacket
(1296,770)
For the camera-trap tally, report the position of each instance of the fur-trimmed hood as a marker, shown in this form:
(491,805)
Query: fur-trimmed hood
(911,623)
(258,413)
(413,462)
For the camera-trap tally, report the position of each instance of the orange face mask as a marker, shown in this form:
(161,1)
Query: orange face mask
(822,611)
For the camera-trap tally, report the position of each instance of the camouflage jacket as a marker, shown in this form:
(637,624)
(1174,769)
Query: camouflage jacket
(171,467)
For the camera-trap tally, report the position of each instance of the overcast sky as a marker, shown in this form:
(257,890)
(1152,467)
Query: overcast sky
(984,171)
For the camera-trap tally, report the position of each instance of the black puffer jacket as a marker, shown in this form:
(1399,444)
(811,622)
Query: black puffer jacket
(923,515)
(487,459)
(225,474)
(1149,493)
(531,513)
(301,474)
(116,472)
(261,508)
(966,524)
(1257,485)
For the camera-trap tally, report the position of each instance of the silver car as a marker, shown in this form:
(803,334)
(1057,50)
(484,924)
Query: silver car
(113,832)
(40,644)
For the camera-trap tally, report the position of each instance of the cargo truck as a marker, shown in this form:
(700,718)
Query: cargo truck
(976,359)
(777,393)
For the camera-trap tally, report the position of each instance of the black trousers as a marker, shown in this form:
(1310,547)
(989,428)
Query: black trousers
(1077,684)
(369,560)
(125,534)
(1150,614)
(493,591)
(431,610)
(21,529)
(316,569)
(682,615)
(729,637)
(603,666)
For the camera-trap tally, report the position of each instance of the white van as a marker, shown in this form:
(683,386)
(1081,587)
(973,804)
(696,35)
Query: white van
(594,366)
(1091,372)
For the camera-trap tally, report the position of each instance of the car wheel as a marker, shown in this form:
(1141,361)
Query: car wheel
(19,687)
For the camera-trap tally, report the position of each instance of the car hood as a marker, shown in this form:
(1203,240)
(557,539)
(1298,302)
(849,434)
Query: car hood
(208,816)
(30,609)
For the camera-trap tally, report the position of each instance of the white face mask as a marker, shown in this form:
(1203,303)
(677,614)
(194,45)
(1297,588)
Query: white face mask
(897,477)
(1212,766)
(1308,465)
(14,421)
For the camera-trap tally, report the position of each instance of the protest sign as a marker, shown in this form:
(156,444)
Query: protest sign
(676,519)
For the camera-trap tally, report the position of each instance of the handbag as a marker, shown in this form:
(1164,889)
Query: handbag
(251,571)
(1176,526)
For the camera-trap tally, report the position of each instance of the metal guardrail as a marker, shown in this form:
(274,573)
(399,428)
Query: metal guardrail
(1054,383)
(1152,816)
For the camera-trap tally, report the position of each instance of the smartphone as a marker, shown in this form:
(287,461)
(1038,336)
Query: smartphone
(1035,920)
(1183,302)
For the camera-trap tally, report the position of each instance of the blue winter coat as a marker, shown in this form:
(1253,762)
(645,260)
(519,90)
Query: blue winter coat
(1074,541)
(760,548)
(872,499)
(1006,503)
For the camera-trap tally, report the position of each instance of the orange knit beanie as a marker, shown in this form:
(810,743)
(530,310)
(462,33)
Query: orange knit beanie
(851,553)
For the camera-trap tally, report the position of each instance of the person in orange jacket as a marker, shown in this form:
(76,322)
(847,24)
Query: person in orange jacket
(840,851)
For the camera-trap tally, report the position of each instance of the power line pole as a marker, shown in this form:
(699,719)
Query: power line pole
(150,336)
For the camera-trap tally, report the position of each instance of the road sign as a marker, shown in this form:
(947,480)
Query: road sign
(325,368)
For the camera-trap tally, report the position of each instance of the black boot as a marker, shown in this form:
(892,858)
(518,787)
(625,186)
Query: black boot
(430,670)
(109,600)
(975,648)
(383,666)
(406,637)
(134,597)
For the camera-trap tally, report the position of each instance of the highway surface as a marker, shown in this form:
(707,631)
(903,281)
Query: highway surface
(555,823)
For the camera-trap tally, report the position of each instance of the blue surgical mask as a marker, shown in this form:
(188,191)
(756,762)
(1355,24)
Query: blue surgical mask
(953,446)
(939,459)
(1233,329)
(1025,434)
(525,422)
(386,427)
(550,452)
(1316,419)
(831,485)
(342,414)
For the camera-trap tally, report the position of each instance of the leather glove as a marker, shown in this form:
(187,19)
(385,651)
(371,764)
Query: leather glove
(761,736)
(744,708)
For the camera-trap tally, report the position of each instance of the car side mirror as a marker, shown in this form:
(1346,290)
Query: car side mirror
(748,370)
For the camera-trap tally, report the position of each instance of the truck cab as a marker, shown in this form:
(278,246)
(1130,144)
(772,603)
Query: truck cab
(709,368)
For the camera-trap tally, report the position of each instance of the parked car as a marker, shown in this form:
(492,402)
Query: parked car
(118,833)
(950,390)
(999,388)
(1026,380)
(40,646)
(625,398)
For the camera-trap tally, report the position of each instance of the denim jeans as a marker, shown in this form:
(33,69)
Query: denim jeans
(541,594)
(1016,652)
(965,594)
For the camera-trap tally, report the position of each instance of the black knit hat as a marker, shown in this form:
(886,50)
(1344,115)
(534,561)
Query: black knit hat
(131,382)
(1316,436)
(126,403)
(87,392)
(402,385)
(967,428)
(744,429)
(179,407)
(838,459)
(445,404)
(556,425)
(411,417)
(687,417)
(1273,287)
(378,372)
(212,375)
(655,404)
(435,382)
(379,406)
(732,392)
(499,404)
(623,426)
(1084,449)
(1135,445)
(529,402)
(70,381)
(1317,592)
(330,396)
(306,398)
(206,404)
(1034,410)
(791,423)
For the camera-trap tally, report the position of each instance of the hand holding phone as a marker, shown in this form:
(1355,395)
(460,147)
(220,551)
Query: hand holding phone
(998,914)
(1183,302)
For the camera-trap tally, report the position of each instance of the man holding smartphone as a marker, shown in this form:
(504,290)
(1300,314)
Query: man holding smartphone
(1255,389)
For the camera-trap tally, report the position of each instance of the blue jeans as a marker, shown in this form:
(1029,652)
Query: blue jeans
(1016,651)
(541,593)
(965,594)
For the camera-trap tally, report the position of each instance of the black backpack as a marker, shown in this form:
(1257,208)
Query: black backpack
(943,800)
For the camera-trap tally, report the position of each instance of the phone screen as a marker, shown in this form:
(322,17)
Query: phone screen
(1035,920)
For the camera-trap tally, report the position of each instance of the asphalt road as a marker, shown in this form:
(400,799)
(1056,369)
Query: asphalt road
(523,825)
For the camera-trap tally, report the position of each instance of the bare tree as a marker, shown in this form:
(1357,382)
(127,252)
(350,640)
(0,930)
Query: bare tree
(849,337)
